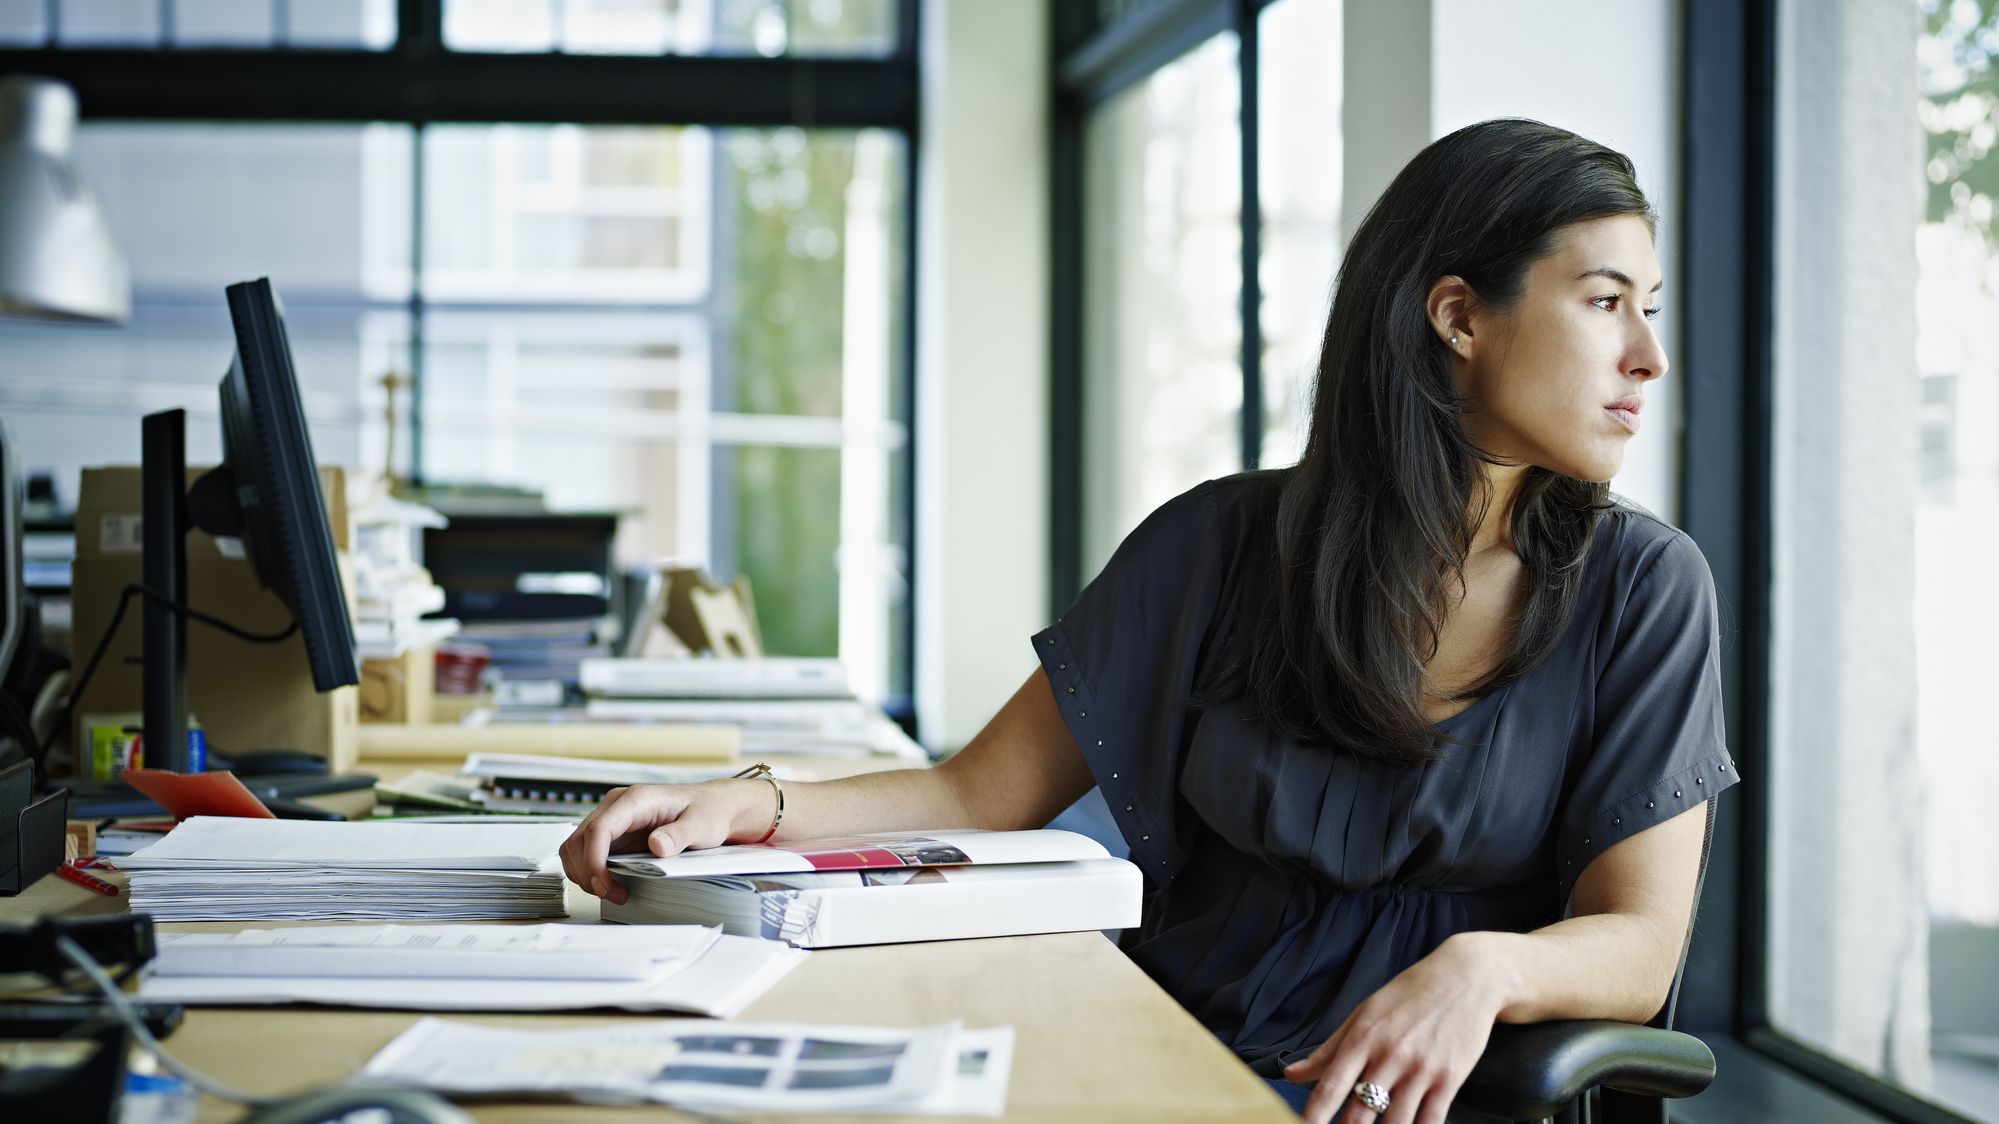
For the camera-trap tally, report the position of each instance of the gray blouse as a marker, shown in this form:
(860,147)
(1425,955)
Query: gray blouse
(1286,883)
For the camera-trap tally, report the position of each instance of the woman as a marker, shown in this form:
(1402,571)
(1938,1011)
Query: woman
(1409,737)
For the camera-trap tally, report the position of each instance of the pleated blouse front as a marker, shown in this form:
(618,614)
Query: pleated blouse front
(1285,882)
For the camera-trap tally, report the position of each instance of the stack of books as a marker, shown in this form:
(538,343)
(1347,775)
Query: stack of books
(783,705)
(539,651)
(216,868)
(393,593)
(886,888)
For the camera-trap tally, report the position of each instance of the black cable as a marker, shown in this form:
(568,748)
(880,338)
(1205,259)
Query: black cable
(122,1008)
(14,723)
(61,726)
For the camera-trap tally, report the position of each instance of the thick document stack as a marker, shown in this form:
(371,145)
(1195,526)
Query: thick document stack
(886,889)
(681,968)
(212,868)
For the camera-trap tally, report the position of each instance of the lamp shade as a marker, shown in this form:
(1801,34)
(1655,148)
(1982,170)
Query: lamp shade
(57,259)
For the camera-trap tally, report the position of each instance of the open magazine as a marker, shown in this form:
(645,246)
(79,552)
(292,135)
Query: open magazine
(880,851)
(766,1067)
(887,888)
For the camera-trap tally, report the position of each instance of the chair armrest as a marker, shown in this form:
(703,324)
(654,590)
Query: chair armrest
(1533,1070)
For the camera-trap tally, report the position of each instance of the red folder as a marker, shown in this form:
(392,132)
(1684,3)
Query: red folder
(197,794)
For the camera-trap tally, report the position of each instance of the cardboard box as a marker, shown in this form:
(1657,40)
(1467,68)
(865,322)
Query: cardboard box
(249,696)
(399,689)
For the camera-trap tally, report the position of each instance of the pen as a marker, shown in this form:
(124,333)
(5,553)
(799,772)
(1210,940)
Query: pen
(75,874)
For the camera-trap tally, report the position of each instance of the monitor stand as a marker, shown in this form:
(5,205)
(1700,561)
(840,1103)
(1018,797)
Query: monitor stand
(163,538)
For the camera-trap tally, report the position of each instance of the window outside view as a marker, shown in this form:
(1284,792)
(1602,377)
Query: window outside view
(1298,177)
(1883,876)
(1957,537)
(699,328)
(1162,339)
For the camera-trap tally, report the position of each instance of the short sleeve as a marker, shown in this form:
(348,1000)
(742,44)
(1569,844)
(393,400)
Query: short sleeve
(1658,742)
(1122,663)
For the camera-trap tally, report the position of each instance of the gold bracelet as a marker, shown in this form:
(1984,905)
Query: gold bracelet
(761,771)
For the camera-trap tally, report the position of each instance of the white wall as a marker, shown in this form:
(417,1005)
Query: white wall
(1608,73)
(981,360)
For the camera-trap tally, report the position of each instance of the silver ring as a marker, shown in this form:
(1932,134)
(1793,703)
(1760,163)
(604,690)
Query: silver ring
(1372,1096)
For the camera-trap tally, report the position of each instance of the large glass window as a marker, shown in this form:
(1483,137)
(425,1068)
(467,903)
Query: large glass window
(698,328)
(1957,534)
(695,327)
(1884,876)
(1298,177)
(357,25)
(1162,364)
(679,27)
(195,208)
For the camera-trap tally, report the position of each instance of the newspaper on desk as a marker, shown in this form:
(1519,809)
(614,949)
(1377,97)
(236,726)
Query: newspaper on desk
(763,1067)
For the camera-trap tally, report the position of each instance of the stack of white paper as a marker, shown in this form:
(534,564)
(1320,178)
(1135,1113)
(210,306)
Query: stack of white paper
(471,968)
(767,677)
(213,868)
(482,952)
(761,1067)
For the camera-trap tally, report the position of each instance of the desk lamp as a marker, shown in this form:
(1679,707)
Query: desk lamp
(57,259)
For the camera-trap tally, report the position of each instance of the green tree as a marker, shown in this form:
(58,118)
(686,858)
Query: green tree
(788,299)
(1960,112)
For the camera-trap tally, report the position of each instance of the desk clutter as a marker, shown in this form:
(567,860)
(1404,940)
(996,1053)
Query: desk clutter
(760,1067)
(531,784)
(780,705)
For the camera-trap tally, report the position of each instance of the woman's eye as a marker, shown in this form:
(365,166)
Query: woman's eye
(1609,303)
(1653,312)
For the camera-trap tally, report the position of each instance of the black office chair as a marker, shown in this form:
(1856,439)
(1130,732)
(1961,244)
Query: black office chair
(1594,1071)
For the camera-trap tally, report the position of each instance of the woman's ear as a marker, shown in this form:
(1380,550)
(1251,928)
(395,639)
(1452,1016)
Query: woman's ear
(1449,310)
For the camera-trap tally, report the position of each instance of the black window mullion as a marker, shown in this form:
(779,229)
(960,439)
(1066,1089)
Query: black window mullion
(419,28)
(1725,466)
(1065,331)
(416,311)
(226,85)
(1128,50)
(1251,301)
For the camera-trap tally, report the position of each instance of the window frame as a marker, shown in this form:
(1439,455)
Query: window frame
(417,81)
(1094,59)
(1729,262)
(1728,57)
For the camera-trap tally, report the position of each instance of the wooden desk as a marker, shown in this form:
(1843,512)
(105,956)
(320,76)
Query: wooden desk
(1095,1039)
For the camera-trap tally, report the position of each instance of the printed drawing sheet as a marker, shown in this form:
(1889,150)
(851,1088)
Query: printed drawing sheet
(767,1067)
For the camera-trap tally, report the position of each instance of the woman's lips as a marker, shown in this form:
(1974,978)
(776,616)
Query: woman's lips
(1626,418)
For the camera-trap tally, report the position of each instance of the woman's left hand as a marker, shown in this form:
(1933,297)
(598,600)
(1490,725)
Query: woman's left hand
(1418,1038)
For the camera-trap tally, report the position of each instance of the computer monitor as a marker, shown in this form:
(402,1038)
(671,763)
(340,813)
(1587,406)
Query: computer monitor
(13,589)
(266,491)
(16,738)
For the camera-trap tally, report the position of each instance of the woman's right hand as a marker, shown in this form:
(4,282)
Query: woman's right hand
(665,819)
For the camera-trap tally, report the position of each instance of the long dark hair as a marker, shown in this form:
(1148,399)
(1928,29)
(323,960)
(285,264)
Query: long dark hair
(1375,522)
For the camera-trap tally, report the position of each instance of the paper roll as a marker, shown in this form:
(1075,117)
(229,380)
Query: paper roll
(617,741)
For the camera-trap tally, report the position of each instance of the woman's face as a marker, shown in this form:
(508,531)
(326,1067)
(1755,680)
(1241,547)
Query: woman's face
(1558,379)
